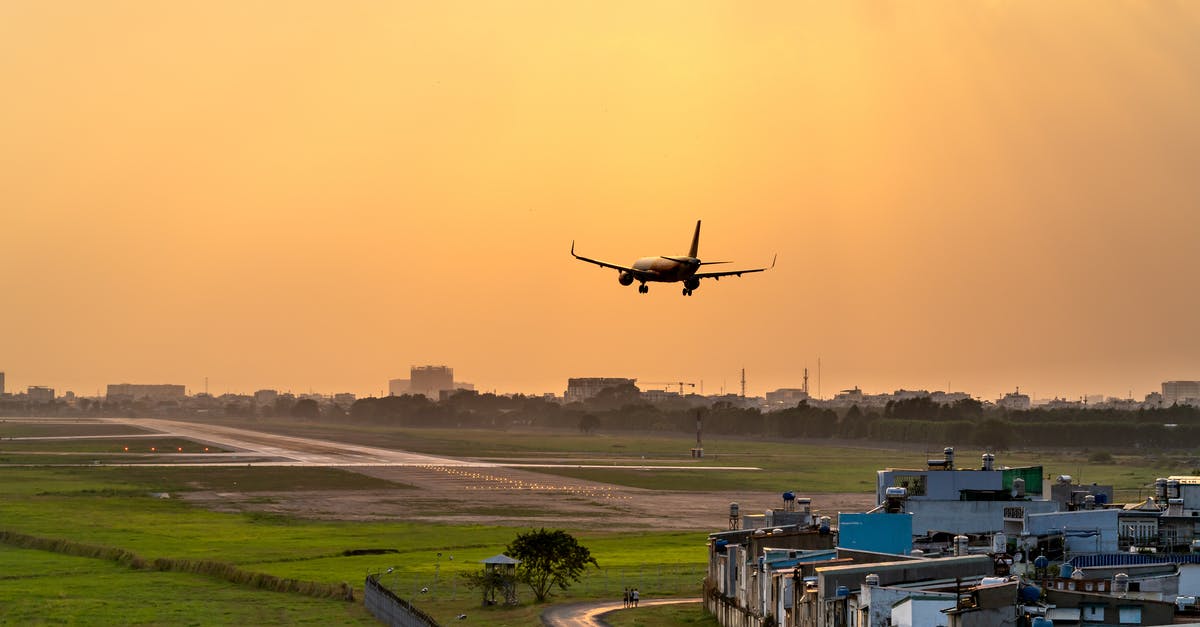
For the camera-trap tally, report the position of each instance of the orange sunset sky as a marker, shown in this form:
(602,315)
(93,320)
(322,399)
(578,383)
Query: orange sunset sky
(312,194)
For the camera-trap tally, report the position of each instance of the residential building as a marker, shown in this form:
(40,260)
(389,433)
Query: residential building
(581,389)
(430,380)
(1015,401)
(150,392)
(1180,393)
(40,394)
(263,398)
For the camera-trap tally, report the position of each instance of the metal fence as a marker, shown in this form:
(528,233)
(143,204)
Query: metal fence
(390,609)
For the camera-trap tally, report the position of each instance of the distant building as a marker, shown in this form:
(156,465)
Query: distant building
(430,380)
(583,388)
(1,384)
(40,394)
(150,392)
(1180,393)
(786,397)
(1015,401)
(344,398)
(399,387)
(265,397)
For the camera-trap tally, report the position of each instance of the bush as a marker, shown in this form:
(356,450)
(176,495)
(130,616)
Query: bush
(1101,457)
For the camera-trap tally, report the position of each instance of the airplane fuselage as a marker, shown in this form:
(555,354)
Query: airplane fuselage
(664,270)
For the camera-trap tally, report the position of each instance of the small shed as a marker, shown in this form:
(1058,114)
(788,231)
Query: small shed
(505,570)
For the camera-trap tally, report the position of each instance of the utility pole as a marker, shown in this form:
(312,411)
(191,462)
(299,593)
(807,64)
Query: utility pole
(743,383)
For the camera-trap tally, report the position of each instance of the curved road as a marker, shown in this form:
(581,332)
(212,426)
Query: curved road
(592,614)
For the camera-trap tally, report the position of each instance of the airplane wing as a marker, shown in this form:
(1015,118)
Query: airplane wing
(603,264)
(718,275)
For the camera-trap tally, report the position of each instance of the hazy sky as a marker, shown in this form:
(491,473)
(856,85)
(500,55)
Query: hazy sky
(319,194)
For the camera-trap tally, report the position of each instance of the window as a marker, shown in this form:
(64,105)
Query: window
(1130,615)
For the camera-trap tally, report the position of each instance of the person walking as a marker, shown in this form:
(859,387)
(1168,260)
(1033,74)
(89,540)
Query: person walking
(634,597)
(625,600)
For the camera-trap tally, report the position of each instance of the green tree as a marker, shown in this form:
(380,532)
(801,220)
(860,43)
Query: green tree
(548,559)
(588,423)
(306,408)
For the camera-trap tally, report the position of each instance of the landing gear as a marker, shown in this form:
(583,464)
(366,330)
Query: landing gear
(643,289)
(687,292)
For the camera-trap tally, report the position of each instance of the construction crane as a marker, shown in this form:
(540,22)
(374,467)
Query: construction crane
(679,383)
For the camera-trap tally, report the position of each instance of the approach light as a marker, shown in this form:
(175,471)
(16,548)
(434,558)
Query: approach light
(180,449)
(126,449)
(153,448)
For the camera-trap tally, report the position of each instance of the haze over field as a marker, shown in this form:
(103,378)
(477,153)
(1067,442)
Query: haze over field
(312,194)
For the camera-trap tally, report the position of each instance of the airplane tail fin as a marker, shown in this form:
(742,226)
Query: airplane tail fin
(695,242)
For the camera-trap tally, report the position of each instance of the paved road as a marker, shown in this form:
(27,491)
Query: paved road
(592,614)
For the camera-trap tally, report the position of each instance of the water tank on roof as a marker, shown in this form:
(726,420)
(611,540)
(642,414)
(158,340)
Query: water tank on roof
(1018,488)
(989,461)
(960,545)
(842,592)
(719,545)
(1064,571)
(1101,498)
(1041,621)
(1173,488)
(1041,561)
(1120,583)
(1029,594)
(1089,501)
(1064,479)
(823,524)
(789,496)
(999,543)
(991,581)
(872,579)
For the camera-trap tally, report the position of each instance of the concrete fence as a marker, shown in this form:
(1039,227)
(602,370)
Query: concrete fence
(391,609)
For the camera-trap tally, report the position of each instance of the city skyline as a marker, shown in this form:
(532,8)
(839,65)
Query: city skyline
(989,194)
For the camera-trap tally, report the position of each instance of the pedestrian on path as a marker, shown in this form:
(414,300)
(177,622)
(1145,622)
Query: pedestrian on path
(634,596)
(626,598)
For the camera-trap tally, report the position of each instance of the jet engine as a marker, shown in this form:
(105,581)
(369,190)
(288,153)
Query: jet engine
(625,278)
(692,283)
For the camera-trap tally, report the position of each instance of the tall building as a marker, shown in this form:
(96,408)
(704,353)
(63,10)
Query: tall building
(1180,393)
(430,380)
(40,394)
(583,388)
(152,392)
(1,384)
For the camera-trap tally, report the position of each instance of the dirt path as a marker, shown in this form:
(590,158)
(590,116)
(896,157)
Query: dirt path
(592,614)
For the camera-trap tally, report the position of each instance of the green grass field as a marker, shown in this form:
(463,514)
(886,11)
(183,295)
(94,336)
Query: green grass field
(111,506)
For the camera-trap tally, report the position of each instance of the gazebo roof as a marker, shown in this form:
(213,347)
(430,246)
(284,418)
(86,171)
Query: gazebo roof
(501,559)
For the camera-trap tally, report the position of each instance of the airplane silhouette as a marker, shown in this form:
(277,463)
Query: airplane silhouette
(669,269)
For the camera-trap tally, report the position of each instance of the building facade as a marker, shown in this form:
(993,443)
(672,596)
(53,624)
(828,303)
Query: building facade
(151,392)
(583,388)
(1180,393)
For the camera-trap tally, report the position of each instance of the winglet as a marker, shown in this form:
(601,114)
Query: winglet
(772,258)
(695,242)
(572,248)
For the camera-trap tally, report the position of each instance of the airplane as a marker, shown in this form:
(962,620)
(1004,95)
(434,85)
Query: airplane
(664,269)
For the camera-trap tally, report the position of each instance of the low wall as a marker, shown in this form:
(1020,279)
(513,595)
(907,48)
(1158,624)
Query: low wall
(391,609)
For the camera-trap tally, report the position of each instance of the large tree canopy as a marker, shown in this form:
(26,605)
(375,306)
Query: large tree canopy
(548,559)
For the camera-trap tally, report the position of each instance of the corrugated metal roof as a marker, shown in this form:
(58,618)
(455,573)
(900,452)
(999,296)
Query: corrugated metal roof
(1129,559)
